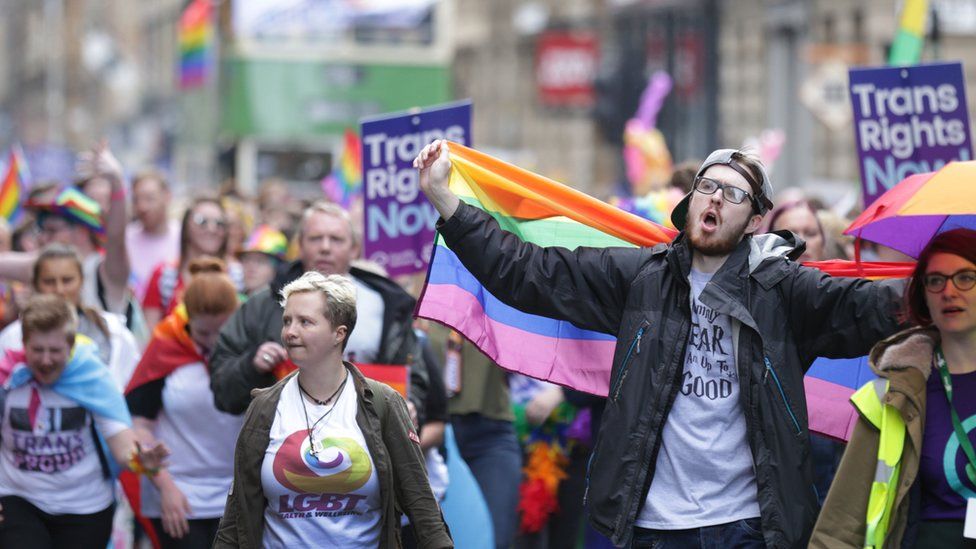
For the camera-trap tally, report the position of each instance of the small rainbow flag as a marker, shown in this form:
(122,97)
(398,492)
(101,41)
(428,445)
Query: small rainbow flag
(196,34)
(346,180)
(14,185)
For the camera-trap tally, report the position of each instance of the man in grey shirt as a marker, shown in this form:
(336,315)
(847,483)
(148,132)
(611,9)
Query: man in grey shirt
(714,334)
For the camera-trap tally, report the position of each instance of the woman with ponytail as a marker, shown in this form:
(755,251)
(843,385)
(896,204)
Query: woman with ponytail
(58,271)
(171,402)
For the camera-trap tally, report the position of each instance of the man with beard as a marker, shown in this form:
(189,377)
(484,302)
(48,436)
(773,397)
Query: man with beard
(704,439)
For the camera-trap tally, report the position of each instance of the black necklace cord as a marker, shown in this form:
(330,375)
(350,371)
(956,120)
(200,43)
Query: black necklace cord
(310,428)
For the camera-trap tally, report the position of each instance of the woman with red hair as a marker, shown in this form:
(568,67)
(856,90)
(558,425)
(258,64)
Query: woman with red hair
(170,400)
(910,468)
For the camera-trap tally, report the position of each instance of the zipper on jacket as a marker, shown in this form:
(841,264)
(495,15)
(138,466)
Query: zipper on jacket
(644,458)
(634,345)
(770,370)
(586,488)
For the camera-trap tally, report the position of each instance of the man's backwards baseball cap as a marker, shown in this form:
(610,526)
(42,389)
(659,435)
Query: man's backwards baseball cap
(761,189)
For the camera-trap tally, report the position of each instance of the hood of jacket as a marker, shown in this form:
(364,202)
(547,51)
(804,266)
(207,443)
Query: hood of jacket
(774,245)
(911,349)
(754,253)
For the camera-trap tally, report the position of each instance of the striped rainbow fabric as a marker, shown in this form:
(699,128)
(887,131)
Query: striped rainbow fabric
(75,205)
(196,33)
(13,186)
(547,213)
(346,180)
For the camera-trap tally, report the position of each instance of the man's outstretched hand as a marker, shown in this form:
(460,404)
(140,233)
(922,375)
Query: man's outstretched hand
(434,164)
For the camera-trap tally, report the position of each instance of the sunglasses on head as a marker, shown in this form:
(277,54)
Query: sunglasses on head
(201,220)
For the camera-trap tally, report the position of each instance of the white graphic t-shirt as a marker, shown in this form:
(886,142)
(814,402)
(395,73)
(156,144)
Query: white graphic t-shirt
(704,474)
(328,500)
(48,455)
(201,441)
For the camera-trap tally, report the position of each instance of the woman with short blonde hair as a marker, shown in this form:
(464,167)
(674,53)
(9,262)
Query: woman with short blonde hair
(326,457)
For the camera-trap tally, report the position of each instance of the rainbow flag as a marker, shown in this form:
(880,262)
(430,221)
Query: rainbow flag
(196,37)
(906,49)
(543,211)
(14,185)
(346,180)
(547,213)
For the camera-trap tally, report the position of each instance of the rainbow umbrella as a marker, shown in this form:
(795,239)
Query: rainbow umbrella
(905,218)
(923,205)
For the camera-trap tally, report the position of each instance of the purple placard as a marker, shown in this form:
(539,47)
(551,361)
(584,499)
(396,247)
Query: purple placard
(908,120)
(399,221)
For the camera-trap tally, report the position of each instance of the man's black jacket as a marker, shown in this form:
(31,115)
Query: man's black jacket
(783,317)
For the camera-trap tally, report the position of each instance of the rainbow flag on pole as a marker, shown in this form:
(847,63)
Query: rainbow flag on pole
(346,180)
(14,185)
(906,49)
(547,213)
(196,37)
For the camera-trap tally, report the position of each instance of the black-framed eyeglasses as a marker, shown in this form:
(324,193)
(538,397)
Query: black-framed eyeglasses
(730,193)
(962,280)
(201,220)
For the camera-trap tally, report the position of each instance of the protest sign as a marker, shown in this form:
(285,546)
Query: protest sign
(908,120)
(399,221)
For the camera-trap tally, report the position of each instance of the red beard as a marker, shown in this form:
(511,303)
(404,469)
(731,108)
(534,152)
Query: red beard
(715,244)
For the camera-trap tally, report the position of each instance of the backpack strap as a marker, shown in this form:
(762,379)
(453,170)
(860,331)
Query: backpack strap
(379,399)
(99,449)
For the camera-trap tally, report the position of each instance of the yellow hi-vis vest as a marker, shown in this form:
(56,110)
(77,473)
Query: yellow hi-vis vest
(869,400)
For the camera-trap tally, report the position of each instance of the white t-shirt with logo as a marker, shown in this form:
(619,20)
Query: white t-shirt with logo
(54,464)
(332,500)
(704,474)
(201,441)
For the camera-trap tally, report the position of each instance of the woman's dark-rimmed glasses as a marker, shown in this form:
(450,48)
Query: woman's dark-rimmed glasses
(962,280)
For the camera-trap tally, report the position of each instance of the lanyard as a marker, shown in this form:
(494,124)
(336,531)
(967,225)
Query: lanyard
(964,442)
